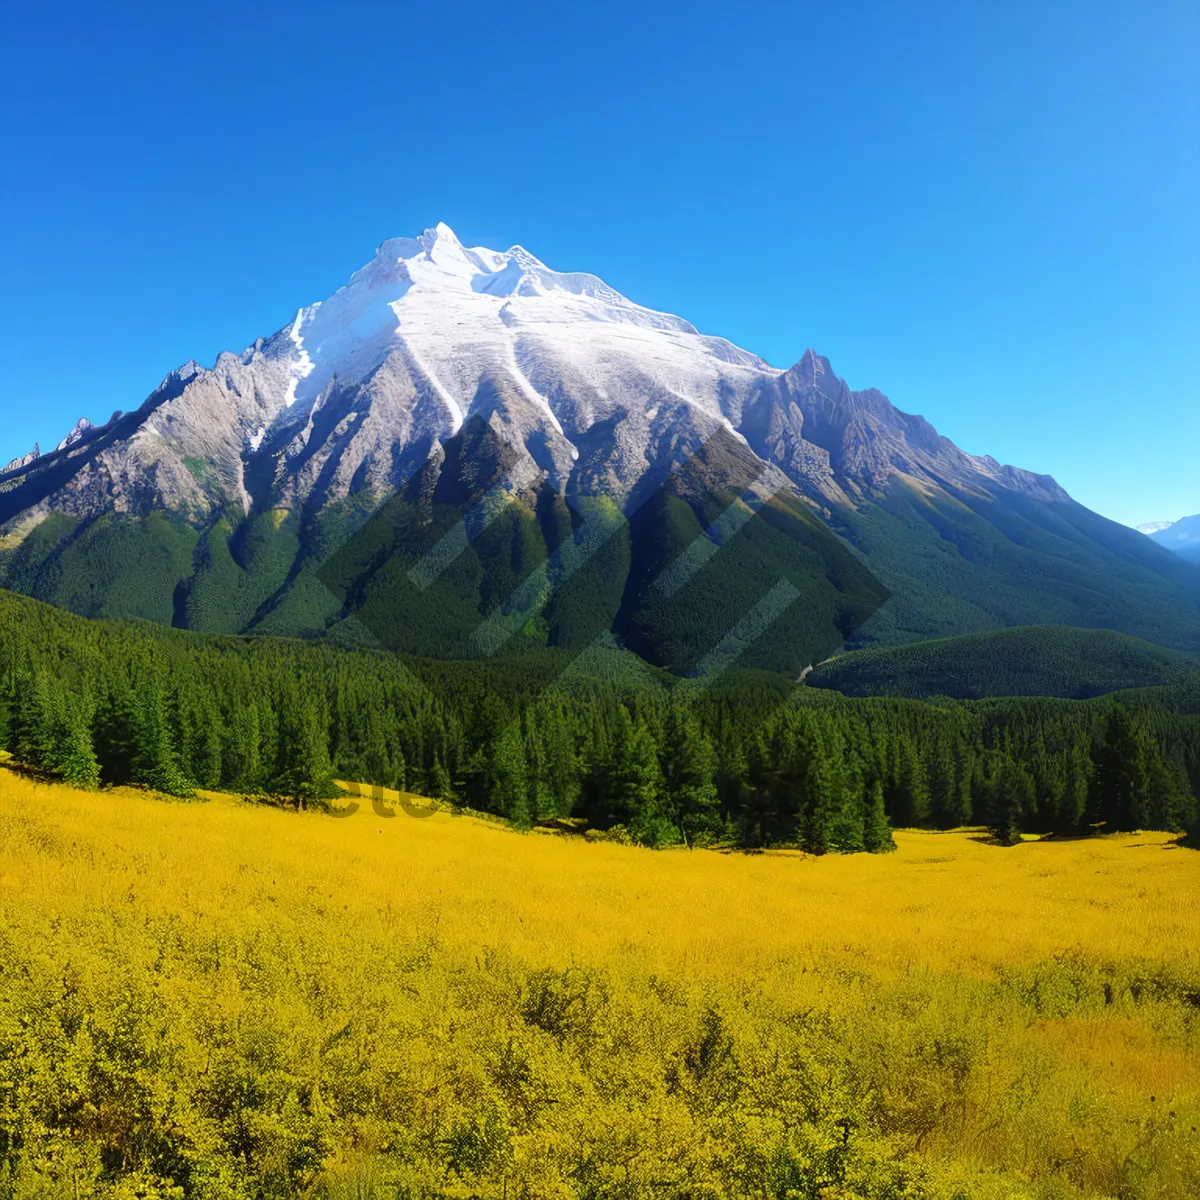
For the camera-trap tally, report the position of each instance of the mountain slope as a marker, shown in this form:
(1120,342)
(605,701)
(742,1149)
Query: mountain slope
(1182,537)
(963,544)
(1045,660)
(491,380)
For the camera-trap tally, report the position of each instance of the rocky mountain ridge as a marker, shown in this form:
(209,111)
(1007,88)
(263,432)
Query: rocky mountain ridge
(212,503)
(358,391)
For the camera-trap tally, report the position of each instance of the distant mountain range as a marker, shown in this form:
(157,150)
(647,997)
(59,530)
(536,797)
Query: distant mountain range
(443,378)
(1183,537)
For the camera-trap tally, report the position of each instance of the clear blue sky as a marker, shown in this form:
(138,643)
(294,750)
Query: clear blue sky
(991,211)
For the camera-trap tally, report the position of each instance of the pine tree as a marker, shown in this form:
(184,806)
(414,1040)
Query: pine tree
(944,793)
(242,752)
(440,787)
(908,801)
(307,773)
(560,766)
(206,763)
(1165,802)
(6,730)
(399,770)
(32,721)
(634,783)
(156,760)
(1121,784)
(378,768)
(847,830)
(877,833)
(686,763)
(74,755)
(1192,832)
(822,799)
(773,788)
(1012,798)
(1072,805)
(964,809)
(508,776)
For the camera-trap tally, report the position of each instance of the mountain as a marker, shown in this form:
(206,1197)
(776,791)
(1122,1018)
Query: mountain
(1046,660)
(478,396)
(1182,537)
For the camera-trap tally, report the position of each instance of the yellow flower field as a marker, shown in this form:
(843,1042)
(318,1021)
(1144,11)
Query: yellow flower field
(222,1000)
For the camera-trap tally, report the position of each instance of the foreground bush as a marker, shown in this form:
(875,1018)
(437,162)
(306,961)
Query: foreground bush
(220,1001)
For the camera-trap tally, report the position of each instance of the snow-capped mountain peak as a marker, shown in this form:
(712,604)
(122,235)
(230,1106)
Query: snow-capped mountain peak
(471,327)
(593,389)
(1182,536)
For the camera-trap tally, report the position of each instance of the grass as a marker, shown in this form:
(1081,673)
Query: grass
(231,1001)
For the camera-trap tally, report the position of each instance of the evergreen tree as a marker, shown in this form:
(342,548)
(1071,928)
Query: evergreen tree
(378,767)
(241,765)
(823,793)
(559,763)
(1121,783)
(908,802)
(306,772)
(440,787)
(877,833)
(32,721)
(847,830)
(1071,811)
(1164,803)
(156,760)
(508,777)
(1191,836)
(775,797)
(944,793)
(74,755)
(206,759)
(1011,798)
(686,763)
(634,783)
(6,729)
(399,770)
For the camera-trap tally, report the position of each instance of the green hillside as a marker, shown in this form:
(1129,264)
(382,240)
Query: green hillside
(1034,660)
(964,562)
(540,571)
(748,760)
(927,562)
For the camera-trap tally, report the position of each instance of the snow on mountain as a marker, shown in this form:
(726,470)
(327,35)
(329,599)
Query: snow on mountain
(77,434)
(358,391)
(1152,527)
(23,460)
(1183,536)
(458,331)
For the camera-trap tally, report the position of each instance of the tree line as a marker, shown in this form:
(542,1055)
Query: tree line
(753,761)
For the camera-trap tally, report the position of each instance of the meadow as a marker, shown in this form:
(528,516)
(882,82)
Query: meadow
(218,999)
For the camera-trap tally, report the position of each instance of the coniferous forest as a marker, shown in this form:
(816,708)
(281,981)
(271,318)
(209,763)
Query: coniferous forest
(752,760)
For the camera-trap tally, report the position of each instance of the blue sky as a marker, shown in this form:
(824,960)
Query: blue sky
(991,211)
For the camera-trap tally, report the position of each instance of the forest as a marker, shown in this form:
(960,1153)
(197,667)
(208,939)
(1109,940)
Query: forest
(633,754)
(1033,660)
